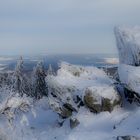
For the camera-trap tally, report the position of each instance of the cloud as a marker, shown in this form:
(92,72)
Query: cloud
(64,25)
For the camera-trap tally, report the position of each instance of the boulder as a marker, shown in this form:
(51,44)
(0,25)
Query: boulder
(99,99)
(65,112)
(74,122)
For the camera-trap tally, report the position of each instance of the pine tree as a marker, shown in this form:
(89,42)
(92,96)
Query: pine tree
(39,84)
(21,82)
(50,70)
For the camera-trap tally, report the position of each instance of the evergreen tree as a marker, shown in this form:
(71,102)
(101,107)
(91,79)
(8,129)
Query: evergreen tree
(50,70)
(21,82)
(39,84)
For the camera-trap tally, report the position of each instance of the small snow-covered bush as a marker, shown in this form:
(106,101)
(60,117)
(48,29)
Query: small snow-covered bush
(15,105)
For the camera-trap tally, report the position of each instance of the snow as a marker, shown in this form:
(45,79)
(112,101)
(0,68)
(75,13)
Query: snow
(78,78)
(2,67)
(24,118)
(128,43)
(111,60)
(91,127)
(40,122)
(5,58)
(105,91)
(130,77)
(73,80)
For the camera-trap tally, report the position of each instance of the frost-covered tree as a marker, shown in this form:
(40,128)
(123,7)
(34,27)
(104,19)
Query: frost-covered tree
(39,84)
(50,70)
(5,79)
(21,82)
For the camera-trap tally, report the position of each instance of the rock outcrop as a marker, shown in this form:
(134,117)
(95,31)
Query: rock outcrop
(75,86)
(130,78)
(128,44)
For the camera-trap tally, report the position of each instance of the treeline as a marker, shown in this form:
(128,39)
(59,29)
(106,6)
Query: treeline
(33,84)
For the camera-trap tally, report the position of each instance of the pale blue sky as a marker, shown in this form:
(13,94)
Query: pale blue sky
(63,26)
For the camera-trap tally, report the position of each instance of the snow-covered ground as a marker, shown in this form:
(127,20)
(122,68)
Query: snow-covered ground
(5,58)
(111,60)
(103,126)
(40,122)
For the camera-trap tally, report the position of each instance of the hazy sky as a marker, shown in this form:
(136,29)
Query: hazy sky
(63,26)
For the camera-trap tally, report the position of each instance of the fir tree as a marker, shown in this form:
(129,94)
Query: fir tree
(39,84)
(21,82)
(50,70)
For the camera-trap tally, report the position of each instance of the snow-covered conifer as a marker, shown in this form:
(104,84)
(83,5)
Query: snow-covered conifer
(21,82)
(50,70)
(39,84)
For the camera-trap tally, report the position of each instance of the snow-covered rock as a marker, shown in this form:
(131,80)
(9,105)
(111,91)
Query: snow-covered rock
(74,122)
(128,44)
(130,77)
(101,98)
(69,85)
